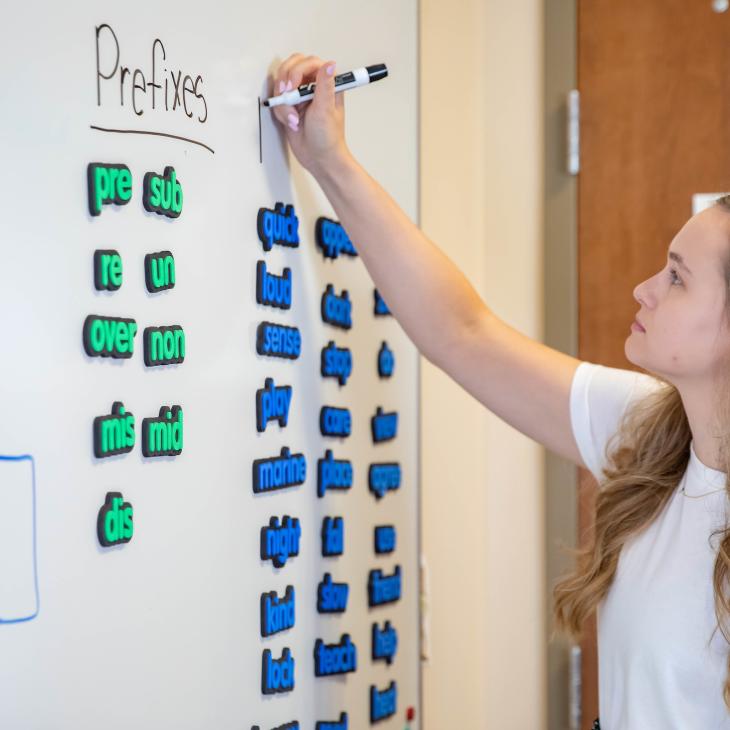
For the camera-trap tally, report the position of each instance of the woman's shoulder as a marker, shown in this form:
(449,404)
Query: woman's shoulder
(615,384)
(600,396)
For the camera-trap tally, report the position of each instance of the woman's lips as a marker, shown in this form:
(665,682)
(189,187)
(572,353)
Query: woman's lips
(636,325)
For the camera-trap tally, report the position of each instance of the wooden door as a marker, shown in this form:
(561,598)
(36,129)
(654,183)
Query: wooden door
(654,81)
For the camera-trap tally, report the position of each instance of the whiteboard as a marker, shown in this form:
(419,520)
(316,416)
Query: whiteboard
(164,630)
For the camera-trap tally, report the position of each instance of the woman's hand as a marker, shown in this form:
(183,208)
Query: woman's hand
(314,129)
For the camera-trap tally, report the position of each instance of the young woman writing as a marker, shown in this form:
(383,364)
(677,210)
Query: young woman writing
(658,442)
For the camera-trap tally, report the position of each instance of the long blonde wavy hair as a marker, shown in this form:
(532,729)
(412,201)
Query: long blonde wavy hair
(647,457)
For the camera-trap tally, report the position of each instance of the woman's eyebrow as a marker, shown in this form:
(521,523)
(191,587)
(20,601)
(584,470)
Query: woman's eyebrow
(676,257)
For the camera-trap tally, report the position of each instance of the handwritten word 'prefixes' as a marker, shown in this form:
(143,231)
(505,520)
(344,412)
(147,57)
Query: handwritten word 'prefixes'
(384,589)
(386,361)
(108,183)
(277,675)
(332,597)
(277,340)
(163,436)
(164,345)
(278,226)
(340,724)
(272,290)
(159,271)
(384,425)
(335,421)
(385,537)
(114,434)
(180,91)
(336,362)
(162,194)
(333,473)
(384,477)
(336,310)
(107,270)
(277,614)
(272,404)
(383,704)
(331,659)
(115,522)
(384,643)
(280,541)
(109,336)
(332,239)
(333,536)
(279,472)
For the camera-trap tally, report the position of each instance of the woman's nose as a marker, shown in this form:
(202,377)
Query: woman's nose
(641,293)
(637,292)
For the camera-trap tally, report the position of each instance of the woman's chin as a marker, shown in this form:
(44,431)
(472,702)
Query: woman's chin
(630,351)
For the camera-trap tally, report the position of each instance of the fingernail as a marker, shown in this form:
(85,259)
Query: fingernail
(293,118)
(330,69)
(289,86)
(282,86)
(294,126)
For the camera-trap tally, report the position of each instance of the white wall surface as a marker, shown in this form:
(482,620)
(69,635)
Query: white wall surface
(481,193)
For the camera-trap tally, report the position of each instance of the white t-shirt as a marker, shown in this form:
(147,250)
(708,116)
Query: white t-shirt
(655,668)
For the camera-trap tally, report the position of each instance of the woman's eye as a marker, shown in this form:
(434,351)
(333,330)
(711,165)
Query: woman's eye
(673,276)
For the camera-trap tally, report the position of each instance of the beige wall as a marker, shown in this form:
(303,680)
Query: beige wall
(483,482)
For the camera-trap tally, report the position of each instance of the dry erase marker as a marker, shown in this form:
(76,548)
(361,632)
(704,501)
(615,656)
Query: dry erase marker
(349,80)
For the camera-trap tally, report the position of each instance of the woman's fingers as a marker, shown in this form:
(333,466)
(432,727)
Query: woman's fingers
(292,120)
(280,85)
(282,73)
(303,70)
(294,71)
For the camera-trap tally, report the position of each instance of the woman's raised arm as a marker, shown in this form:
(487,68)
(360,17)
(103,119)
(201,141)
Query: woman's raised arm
(524,382)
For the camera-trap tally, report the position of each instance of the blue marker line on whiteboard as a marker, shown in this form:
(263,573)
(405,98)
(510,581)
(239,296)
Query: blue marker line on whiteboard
(348,80)
(19,597)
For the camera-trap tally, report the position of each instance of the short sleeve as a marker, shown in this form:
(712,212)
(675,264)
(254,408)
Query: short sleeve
(599,397)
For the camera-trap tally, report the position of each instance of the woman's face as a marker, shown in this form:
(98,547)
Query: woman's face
(682,307)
